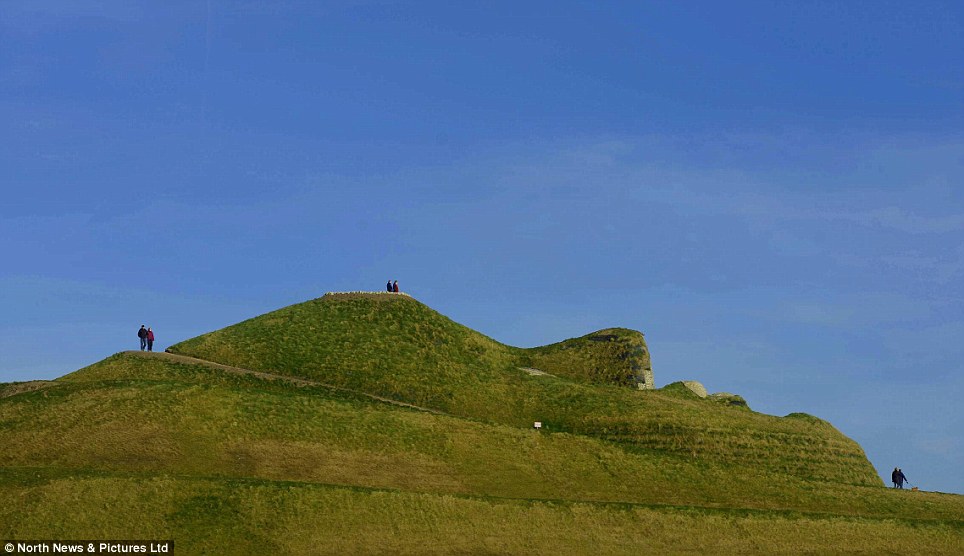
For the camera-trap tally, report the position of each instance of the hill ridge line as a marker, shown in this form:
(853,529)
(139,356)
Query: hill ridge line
(363,292)
(186,359)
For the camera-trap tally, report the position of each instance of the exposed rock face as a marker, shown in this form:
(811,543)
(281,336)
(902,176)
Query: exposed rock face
(695,387)
(683,389)
(611,356)
(729,399)
(693,390)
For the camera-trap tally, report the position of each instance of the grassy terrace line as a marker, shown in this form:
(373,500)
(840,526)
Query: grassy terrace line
(369,423)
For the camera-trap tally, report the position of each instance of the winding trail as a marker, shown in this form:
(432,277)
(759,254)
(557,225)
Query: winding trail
(187,360)
(532,371)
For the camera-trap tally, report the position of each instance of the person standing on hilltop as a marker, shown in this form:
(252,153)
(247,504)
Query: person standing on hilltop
(900,478)
(893,476)
(395,286)
(150,339)
(389,286)
(142,334)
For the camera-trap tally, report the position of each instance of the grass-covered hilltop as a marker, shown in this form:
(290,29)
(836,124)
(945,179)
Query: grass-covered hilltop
(370,423)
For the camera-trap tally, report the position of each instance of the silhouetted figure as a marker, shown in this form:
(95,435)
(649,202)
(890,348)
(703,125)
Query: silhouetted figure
(389,286)
(900,478)
(150,339)
(142,334)
(893,476)
(395,286)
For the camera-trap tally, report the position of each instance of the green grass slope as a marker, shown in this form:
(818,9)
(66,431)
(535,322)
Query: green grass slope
(148,445)
(396,347)
(221,516)
(388,345)
(412,434)
(137,412)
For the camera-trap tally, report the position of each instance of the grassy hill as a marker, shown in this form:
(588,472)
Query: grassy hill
(397,347)
(374,424)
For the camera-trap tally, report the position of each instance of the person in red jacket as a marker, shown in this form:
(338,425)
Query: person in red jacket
(395,286)
(150,339)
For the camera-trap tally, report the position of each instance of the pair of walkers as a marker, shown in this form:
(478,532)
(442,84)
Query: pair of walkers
(147,338)
(392,286)
(898,478)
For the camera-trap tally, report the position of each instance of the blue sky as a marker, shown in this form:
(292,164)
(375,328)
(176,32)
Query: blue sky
(771,191)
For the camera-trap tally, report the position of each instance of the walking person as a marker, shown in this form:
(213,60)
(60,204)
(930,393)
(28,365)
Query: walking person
(142,334)
(900,478)
(150,339)
(893,476)
(395,286)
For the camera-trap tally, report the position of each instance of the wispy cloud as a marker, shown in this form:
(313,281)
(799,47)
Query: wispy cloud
(943,445)
(869,309)
(894,183)
(896,218)
(117,10)
(942,269)
(931,347)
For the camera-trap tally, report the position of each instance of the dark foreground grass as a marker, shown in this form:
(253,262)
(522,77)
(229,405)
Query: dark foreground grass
(217,516)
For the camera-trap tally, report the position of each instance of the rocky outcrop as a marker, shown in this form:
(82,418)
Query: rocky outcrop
(695,387)
(691,389)
(729,399)
(610,356)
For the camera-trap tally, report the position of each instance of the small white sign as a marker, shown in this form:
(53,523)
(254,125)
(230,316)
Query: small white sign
(537,424)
